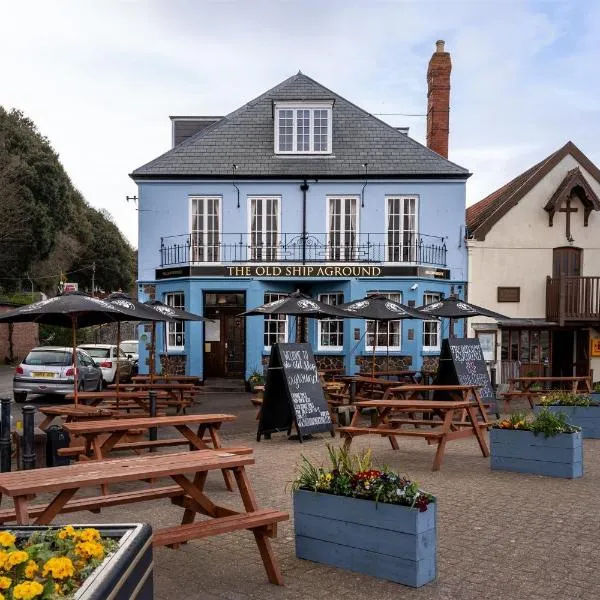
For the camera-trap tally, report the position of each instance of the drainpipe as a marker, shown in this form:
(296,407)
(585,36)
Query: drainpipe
(304,187)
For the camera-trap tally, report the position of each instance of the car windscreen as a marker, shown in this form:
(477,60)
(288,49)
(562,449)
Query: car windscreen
(130,348)
(98,352)
(50,358)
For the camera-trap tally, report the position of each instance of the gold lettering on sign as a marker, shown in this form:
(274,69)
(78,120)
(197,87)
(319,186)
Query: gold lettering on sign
(303,271)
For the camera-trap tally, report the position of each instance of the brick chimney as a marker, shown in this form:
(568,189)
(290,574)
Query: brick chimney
(438,100)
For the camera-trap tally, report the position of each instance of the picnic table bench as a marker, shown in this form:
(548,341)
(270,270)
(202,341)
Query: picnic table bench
(182,394)
(127,399)
(193,379)
(188,470)
(456,419)
(69,412)
(103,437)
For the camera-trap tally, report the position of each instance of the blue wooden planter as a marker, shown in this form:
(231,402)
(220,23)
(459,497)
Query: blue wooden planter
(524,452)
(124,575)
(595,396)
(586,417)
(387,541)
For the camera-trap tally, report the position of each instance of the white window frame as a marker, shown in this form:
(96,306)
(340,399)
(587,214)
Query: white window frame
(406,253)
(311,107)
(428,298)
(396,297)
(175,328)
(271,297)
(213,251)
(330,320)
(342,252)
(270,253)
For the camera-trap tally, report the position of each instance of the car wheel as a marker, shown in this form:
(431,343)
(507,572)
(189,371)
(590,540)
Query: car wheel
(20,397)
(101,384)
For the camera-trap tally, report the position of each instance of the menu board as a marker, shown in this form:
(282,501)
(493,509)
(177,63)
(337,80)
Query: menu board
(462,362)
(293,394)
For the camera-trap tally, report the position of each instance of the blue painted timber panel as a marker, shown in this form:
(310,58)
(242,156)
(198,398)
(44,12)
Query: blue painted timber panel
(388,541)
(586,417)
(524,452)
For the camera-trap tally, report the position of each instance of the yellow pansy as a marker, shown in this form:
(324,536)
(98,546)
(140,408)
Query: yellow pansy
(16,558)
(31,569)
(27,590)
(66,532)
(59,568)
(3,559)
(7,539)
(5,583)
(89,535)
(89,550)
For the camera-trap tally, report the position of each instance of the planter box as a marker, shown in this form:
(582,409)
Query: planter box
(595,396)
(586,417)
(126,574)
(388,541)
(524,452)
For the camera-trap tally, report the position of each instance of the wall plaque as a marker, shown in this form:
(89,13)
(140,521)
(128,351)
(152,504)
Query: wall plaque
(509,294)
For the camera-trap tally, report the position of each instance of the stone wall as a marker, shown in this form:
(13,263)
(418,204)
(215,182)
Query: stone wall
(384,363)
(172,365)
(328,361)
(16,339)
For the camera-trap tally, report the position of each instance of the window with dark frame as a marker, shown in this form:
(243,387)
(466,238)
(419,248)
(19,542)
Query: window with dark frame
(431,329)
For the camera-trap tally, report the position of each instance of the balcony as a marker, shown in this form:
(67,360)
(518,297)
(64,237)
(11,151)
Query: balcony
(197,249)
(572,298)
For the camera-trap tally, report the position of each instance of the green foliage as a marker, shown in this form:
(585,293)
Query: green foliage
(565,398)
(355,476)
(545,421)
(47,227)
(256,378)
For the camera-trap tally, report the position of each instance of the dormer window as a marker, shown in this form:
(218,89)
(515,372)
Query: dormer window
(303,128)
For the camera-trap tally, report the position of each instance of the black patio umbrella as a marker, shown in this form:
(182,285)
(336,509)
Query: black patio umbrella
(454,308)
(380,308)
(139,311)
(169,313)
(73,309)
(299,305)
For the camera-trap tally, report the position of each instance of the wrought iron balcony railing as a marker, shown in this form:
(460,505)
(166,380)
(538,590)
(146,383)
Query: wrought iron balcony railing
(294,247)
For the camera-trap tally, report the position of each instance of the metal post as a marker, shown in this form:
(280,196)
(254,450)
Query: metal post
(28,450)
(152,434)
(493,378)
(5,447)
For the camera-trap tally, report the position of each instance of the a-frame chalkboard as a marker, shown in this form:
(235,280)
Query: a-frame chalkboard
(461,362)
(293,394)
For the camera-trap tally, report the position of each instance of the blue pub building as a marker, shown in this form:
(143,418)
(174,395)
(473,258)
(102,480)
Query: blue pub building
(300,189)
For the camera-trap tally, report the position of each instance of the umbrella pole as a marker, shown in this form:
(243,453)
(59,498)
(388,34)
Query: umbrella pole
(117,374)
(75,378)
(153,351)
(374,346)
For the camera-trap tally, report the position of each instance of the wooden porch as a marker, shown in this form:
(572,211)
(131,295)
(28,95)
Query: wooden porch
(572,298)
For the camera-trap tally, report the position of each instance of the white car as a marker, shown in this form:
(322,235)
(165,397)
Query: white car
(106,358)
(131,349)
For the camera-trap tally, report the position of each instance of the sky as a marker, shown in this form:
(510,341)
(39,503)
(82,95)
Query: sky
(101,77)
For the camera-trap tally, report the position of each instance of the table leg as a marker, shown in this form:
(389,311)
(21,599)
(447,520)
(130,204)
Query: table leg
(477,430)
(263,542)
(55,507)
(21,510)
(47,420)
(439,453)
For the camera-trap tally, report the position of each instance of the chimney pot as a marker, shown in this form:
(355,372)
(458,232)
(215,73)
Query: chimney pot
(439,46)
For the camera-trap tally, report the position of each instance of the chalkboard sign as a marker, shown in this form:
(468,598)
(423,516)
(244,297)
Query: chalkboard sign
(293,394)
(461,362)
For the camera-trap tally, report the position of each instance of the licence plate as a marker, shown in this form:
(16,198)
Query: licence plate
(43,374)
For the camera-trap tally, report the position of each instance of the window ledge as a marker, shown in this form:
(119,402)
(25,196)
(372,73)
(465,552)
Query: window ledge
(175,351)
(430,351)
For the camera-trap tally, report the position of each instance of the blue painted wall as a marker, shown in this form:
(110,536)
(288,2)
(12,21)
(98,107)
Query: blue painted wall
(165,211)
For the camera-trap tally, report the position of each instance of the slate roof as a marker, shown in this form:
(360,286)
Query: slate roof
(483,215)
(245,137)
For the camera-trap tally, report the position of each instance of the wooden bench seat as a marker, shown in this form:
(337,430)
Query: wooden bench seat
(146,444)
(95,503)
(386,431)
(506,397)
(265,519)
(436,422)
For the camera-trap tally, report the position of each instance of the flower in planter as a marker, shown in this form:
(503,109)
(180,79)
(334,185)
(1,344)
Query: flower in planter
(546,422)
(565,398)
(355,476)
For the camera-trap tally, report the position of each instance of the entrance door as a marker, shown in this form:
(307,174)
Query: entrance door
(563,361)
(582,352)
(225,338)
(566,262)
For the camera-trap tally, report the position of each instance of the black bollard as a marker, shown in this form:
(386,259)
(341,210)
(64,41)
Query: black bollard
(28,449)
(493,378)
(5,447)
(153,431)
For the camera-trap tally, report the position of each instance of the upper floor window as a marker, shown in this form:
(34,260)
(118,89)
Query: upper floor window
(175,329)
(264,228)
(302,128)
(204,243)
(343,228)
(431,329)
(402,238)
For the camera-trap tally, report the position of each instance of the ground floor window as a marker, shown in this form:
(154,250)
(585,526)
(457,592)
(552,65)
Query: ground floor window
(389,333)
(525,352)
(175,329)
(431,329)
(276,326)
(331,330)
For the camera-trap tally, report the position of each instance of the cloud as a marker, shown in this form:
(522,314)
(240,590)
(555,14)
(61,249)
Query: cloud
(100,78)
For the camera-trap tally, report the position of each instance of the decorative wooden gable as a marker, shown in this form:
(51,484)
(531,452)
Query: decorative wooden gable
(573,186)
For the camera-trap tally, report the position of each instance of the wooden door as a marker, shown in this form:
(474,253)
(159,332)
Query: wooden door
(566,262)
(582,352)
(224,343)
(234,335)
(563,353)
(214,345)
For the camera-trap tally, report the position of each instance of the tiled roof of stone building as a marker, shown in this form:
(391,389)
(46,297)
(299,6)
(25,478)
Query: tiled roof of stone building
(246,138)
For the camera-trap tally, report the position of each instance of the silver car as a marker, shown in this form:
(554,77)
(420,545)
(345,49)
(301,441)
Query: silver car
(50,370)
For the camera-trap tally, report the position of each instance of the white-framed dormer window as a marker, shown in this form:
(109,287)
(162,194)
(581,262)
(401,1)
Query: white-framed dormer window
(264,228)
(402,228)
(331,329)
(431,329)
(389,333)
(175,329)
(275,326)
(205,229)
(303,128)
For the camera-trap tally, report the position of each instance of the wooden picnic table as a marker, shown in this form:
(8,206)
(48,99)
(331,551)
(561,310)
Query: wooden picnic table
(70,412)
(188,470)
(193,379)
(179,392)
(521,387)
(450,426)
(98,446)
(124,399)
(403,375)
